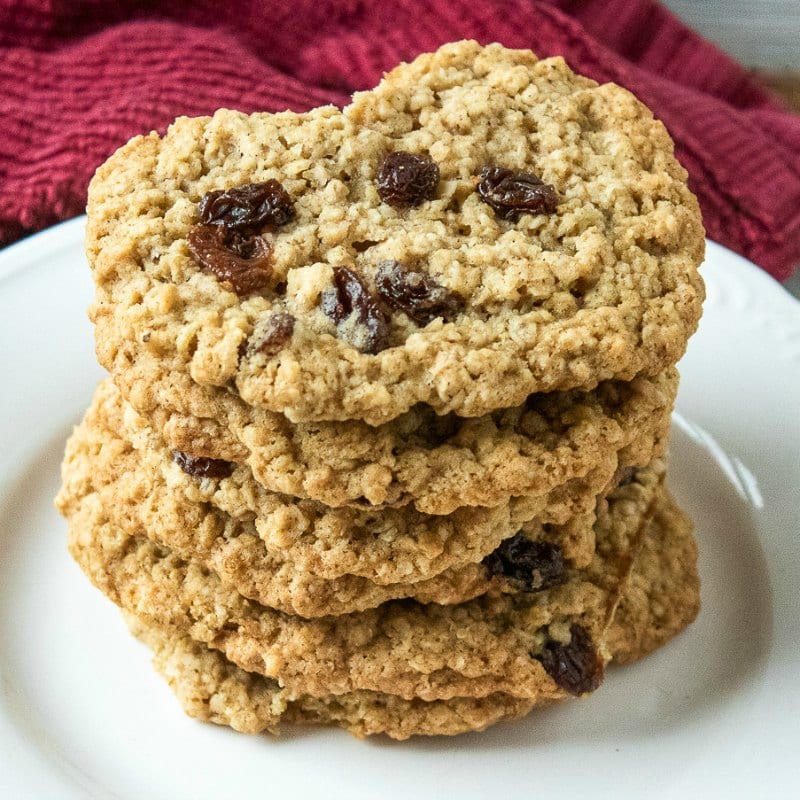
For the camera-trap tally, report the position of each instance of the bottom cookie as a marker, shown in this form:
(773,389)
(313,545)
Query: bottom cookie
(662,598)
(212,689)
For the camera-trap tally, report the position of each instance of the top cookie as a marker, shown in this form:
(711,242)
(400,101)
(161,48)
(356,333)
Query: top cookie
(480,227)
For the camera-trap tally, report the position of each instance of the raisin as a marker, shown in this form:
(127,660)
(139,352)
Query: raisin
(416,293)
(532,565)
(509,193)
(201,467)
(575,666)
(355,313)
(272,334)
(248,207)
(407,179)
(241,260)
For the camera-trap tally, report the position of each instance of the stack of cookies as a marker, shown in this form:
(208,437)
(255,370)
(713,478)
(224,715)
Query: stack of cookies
(383,440)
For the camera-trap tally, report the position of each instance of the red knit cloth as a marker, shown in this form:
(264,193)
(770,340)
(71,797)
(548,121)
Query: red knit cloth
(80,77)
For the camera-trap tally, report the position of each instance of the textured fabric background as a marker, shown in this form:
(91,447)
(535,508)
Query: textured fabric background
(80,77)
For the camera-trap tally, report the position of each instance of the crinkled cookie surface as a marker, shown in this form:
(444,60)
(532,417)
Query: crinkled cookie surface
(475,311)
(142,492)
(658,602)
(141,486)
(571,442)
(663,593)
(213,689)
(512,644)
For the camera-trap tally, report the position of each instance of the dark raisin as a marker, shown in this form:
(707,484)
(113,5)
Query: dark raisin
(509,193)
(240,260)
(575,666)
(532,565)
(201,467)
(272,334)
(416,293)
(407,179)
(355,313)
(248,207)
(246,245)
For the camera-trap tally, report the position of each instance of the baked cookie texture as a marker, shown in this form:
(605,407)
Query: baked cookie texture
(212,689)
(605,286)
(385,545)
(143,493)
(663,594)
(437,464)
(429,651)
(390,389)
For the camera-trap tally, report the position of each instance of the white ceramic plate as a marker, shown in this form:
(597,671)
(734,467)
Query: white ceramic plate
(82,714)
